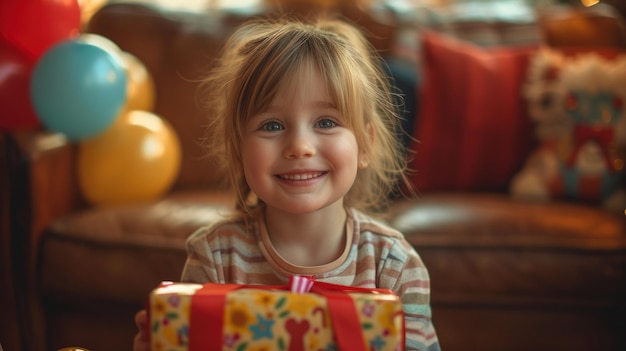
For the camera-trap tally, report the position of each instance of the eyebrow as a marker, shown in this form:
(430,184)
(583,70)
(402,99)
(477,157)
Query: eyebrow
(320,104)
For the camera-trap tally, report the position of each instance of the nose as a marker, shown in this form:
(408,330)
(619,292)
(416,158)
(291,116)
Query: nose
(299,144)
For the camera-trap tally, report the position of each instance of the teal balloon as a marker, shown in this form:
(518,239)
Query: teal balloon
(78,88)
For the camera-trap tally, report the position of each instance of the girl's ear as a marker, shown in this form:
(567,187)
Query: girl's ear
(363,161)
(363,156)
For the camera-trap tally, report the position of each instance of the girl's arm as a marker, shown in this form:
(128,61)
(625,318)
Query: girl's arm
(412,284)
(199,266)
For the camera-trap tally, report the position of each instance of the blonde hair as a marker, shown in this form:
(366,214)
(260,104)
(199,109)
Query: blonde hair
(263,54)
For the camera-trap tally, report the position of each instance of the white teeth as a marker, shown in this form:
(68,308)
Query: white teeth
(303,176)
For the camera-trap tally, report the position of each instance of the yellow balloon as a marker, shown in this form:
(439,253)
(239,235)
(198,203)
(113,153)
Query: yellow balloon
(140,88)
(137,159)
(88,8)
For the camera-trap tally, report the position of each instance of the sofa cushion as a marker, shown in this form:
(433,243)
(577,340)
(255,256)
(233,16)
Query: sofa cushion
(489,249)
(120,253)
(472,130)
(485,249)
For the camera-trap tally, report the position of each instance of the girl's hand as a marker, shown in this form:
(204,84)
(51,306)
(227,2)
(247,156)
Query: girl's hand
(142,339)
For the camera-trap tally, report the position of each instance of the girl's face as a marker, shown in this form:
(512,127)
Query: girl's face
(299,156)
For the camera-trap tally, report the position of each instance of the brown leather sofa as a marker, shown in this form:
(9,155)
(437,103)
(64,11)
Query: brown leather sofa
(506,274)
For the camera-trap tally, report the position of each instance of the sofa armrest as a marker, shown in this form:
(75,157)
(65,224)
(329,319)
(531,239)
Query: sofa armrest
(9,332)
(41,185)
(43,176)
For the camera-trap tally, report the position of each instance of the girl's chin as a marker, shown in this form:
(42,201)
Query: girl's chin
(295,209)
(303,207)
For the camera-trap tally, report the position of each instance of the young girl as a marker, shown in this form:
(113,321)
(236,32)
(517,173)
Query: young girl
(304,124)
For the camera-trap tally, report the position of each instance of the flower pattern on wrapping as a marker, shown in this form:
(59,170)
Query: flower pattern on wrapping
(238,318)
(387,319)
(263,320)
(266,299)
(262,329)
(302,304)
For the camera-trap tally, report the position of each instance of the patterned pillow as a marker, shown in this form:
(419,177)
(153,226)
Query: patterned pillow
(576,99)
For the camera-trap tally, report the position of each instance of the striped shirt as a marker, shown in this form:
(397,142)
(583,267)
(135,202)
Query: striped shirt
(375,256)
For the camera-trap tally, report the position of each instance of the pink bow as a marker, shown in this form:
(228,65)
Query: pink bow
(301,283)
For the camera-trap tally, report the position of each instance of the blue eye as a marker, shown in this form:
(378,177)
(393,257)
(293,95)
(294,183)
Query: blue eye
(326,123)
(271,126)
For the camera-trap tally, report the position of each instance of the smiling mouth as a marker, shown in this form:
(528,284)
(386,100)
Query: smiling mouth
(300,176)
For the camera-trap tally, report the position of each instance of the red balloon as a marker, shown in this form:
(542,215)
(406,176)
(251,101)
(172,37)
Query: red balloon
(33,26)
(16,109)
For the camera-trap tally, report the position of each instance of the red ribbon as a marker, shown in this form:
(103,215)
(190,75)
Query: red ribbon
(207,316)
(603,136)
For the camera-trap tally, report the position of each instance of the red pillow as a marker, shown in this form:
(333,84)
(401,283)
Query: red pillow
(472,130)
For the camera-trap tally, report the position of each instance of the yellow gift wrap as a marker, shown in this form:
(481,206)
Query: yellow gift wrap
(202,317)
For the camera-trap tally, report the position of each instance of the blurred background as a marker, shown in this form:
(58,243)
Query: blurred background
(513,115)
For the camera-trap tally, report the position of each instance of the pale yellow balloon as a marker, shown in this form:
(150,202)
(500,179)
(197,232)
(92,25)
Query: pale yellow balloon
(88,8)
(140,89)
(137,159)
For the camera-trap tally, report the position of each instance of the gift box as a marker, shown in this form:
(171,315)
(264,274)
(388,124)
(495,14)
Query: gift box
(201,317)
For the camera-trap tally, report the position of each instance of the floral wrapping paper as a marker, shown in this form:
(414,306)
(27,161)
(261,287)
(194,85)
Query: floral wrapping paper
(259,319)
